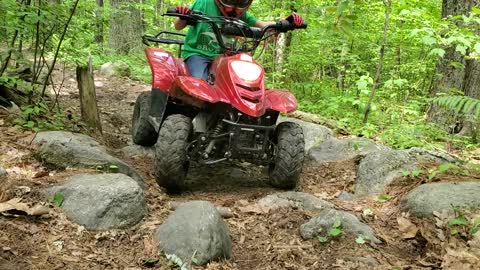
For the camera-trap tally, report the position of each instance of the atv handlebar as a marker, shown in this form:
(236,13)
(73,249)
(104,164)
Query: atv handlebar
(234,27)
(258,33)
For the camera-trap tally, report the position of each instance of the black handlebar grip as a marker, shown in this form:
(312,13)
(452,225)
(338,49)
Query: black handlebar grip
(172,10)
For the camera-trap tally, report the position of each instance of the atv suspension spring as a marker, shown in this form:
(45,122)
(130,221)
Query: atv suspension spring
(216,131)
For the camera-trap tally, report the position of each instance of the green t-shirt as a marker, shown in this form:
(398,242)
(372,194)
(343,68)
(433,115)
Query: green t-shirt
(200,39)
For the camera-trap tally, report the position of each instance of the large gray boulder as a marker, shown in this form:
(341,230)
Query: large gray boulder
(62,149)
(102,201)
(324,221)
(314,134)
(116,69)
(296,200)
(380,168)
(425,199)
(196,229)
(335,150)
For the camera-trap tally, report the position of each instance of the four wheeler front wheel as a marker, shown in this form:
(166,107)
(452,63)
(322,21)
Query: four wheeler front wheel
(142,131)
(289,155)
(171,163)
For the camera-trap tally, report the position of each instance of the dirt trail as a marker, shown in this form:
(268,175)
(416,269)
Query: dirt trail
(260,240)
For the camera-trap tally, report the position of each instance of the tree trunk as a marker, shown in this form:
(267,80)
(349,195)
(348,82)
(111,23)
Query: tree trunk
(88,98)
(99,23)
(158,20)
(342,70)
(388,4)
(453,69)
(280,53)
(125,26)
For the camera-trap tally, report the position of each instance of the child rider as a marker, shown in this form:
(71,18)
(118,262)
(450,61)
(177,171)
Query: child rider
(201,46)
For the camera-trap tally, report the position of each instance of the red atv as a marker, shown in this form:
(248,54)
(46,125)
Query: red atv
(230,116)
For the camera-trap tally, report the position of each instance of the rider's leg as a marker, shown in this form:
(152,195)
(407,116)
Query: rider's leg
(198,66)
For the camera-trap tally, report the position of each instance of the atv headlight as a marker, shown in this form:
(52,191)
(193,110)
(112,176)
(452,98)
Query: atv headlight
(247,71)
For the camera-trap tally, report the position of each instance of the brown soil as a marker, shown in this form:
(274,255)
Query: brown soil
(260,241)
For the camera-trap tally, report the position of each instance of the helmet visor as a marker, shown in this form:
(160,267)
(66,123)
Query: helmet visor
(241,4)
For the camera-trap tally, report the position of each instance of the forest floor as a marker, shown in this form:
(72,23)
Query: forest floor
(261,239)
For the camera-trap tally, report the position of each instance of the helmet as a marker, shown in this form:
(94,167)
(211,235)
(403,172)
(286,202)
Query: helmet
(233,8)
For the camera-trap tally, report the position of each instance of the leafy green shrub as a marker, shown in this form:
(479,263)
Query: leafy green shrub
(404,136)
(38,117)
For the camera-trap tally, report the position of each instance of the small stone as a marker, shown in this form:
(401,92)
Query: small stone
(116,69)
(99,84)
(293,199)
(324,221)
(3,172)
(195,230)
(101,201)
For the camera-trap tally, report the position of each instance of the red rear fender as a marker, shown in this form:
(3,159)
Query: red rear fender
(281,101)
(165,67)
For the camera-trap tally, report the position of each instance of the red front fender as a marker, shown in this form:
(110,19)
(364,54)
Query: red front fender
(281,101)
(184,87)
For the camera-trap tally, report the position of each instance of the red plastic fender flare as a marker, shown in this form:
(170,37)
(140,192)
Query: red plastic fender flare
(281,101)
(199,89)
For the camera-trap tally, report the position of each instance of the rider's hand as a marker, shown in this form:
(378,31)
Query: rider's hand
(295,19)
(183,10)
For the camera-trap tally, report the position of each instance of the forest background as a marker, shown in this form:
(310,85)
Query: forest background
(403,72)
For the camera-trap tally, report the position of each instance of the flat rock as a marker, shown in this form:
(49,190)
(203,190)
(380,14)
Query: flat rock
(347,196)
(102,201)
(195,229)
(62,149)
(314,134)
(380,168)
(294,199)
(335,150)
(425,199)
(324,221)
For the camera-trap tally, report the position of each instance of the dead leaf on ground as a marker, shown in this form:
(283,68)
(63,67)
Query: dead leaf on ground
(149,246)
(408,229)
(14,206)
(243,202)
(41,174)
(460,258)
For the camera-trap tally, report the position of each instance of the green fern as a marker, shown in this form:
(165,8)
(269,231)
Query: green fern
(460,105)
